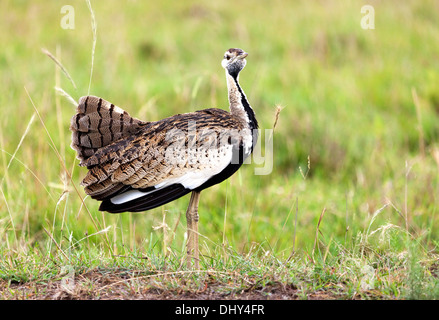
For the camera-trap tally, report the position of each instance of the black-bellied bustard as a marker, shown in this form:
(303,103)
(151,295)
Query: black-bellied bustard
(136,165)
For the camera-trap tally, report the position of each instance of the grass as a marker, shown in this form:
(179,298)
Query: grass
(348,212)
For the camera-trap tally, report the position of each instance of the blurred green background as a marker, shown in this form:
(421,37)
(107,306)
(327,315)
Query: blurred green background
(359,126)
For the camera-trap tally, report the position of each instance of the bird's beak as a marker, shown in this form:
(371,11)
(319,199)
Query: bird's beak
(242,56)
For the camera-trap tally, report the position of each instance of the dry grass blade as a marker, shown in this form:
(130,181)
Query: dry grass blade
(10,213)
(276,116)
(30,171)
(295,225)
(305,175)
(19,144)
(56,243)
(295,230)
(90,235)
(276,119)
(59,64)
(66,95)
(285,222)
(317,232)
(374,216)
(419,118)
(94,28)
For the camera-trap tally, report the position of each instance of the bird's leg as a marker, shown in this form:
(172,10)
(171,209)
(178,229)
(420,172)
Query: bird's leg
(195,217)
(192,230)
(189,248)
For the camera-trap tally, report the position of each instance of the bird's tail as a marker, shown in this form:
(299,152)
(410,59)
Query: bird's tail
(97,124)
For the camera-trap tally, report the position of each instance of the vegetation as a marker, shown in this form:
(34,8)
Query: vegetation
(349,211)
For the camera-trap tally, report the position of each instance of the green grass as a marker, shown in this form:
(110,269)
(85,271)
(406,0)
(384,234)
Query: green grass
(357,140)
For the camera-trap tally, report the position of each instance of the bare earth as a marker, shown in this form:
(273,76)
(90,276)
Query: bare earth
(120,285)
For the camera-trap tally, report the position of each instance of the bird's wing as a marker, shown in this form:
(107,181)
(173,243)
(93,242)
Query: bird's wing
(164,161)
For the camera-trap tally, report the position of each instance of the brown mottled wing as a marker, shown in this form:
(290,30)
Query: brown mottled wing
(99,123)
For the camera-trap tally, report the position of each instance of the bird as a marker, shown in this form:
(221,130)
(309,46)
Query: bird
(136,165)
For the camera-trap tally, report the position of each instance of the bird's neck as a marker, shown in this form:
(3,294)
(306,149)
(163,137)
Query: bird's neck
(239,105)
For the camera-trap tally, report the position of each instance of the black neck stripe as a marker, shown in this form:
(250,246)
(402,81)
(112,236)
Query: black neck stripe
(250,113)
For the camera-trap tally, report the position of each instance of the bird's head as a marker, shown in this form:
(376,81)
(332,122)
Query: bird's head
(234,61)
